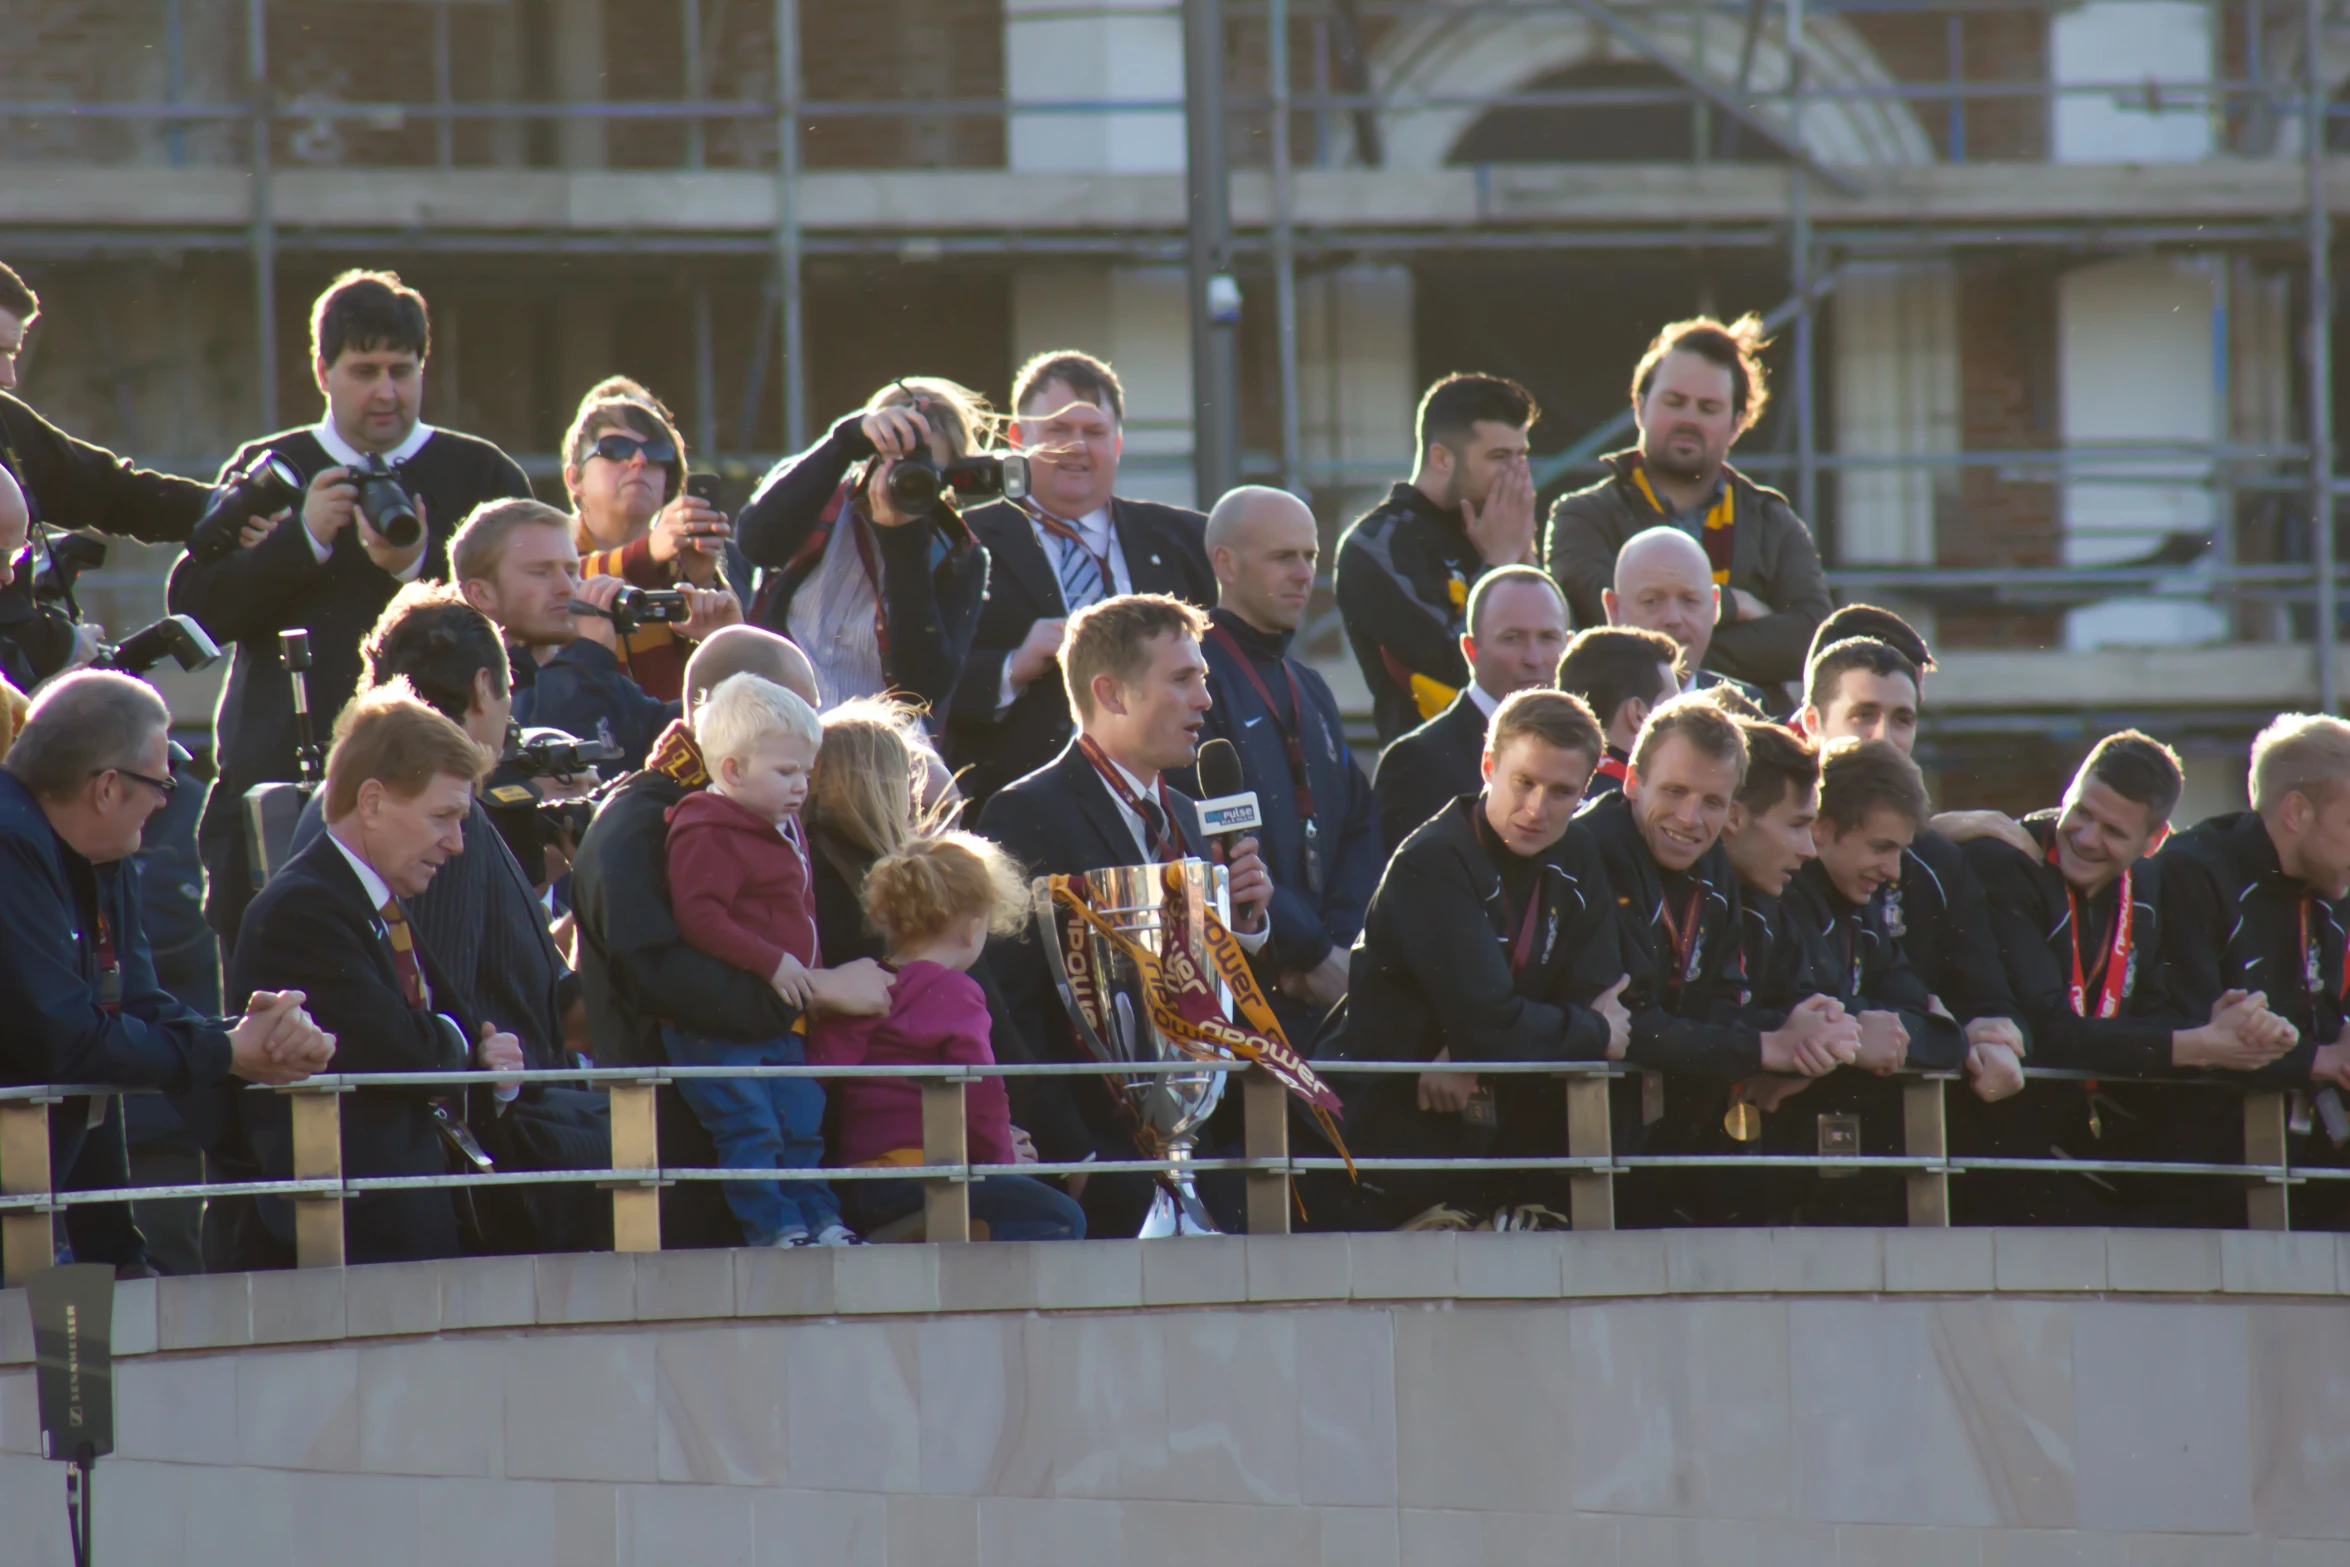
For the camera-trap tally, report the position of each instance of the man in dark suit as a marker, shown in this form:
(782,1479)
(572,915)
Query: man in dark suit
(636,970)
(334,924)
(1321,837)
(1072,543)
(1516,628)
(327,569)
(1139,685)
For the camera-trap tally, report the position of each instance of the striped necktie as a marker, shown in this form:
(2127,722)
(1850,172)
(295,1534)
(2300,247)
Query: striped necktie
(1083,570)
(405,964)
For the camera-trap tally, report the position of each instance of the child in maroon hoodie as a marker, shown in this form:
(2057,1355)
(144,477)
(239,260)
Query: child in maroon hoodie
(740,888)
(935,903)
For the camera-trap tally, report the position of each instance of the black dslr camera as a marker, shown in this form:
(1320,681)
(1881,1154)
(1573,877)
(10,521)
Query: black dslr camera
(70,554)
(550,753)
(266,485)
(916,483)
(635,607)
(384,502)
(529,824)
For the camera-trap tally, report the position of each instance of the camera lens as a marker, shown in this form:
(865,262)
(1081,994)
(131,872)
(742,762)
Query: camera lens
(389,511)
(914,484)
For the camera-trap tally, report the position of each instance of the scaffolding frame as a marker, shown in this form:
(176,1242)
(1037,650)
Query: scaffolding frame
(1813,248)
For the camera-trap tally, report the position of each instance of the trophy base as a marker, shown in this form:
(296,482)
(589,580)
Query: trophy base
(1176,1214)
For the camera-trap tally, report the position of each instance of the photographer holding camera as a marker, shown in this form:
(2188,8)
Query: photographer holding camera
(381,492)
(866,562)
(515,562)
(64,483)
(641,519)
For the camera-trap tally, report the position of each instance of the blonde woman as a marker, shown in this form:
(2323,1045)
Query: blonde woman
(882,598)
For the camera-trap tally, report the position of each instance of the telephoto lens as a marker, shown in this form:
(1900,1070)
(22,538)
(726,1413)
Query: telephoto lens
(384,502)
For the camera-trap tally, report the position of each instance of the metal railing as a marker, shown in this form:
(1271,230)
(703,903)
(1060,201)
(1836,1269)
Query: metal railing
(319,1187)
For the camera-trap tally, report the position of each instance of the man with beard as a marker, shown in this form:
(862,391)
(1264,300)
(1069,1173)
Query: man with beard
(2078,919)
(1406,567)
(1516,626)
(1697,389)
(1491,938)
(2251,901)
(1624,675)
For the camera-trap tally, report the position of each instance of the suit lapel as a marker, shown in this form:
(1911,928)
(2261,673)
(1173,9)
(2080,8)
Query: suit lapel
(1146,566)
(1011,546)
(1101,813)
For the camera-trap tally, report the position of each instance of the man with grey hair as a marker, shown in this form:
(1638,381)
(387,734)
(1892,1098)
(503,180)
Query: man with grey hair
(1663,582)
(2250,901)
(77,981)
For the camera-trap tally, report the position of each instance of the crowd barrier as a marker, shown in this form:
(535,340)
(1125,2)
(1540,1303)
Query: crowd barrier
(29,1198)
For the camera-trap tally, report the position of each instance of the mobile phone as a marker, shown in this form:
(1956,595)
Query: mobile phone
(703,487)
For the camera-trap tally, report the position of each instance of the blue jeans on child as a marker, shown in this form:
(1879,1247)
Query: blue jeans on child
(1014,1207)
(760,1123)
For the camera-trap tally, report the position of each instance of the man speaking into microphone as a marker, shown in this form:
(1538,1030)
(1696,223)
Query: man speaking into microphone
(1138,692)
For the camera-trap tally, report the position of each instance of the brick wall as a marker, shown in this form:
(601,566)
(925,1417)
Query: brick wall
(2007,402)
(1990,46)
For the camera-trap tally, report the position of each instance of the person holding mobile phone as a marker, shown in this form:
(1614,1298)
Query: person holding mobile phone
(641,517)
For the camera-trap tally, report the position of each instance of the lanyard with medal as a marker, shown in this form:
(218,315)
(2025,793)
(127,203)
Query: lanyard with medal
(1682,934)
(1301,784)
(1165,846)
(1481,1111)
(2112,976)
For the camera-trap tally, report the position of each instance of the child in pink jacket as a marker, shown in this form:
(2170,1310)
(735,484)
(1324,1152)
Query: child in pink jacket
(935,902)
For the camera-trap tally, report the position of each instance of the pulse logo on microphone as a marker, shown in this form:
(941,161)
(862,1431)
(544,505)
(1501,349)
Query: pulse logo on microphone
(1227,805)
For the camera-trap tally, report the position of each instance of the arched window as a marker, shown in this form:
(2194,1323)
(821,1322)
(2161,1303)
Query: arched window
(1605,132)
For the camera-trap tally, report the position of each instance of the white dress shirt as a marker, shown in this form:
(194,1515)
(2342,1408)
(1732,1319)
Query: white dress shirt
(348,456)
(1249,941)
(1486,701)
(1101,538)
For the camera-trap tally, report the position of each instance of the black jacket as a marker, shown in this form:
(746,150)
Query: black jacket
(1686,1009)
(248,596)
(1855,958)
(2233,920)
(314,929)
(1314,910)
(932,576)
(1936,911)
(583,691)
(1424,771)
(1404,570)
(55,1030)
(1057,821)
(1165,553)
(2032,917)
(1432,968)
(1774,961)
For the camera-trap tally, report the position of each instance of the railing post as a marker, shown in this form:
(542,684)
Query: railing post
(1591,1194)
(636,1145)
(1925,1134)
(27,1243)
(1264,1134)
(318,1156)
(946,1202)
(2268,1205)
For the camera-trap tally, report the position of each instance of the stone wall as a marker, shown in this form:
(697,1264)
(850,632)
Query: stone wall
(1854,1397)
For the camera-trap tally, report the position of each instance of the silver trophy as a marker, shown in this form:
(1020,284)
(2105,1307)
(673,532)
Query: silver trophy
(1103,992)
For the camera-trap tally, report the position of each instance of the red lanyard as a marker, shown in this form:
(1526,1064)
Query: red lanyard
(1166,847)
(810,555)
(1611,767)
(1522,950)
(2113,970)
(1290,733)
(1682,933)
(1065,530)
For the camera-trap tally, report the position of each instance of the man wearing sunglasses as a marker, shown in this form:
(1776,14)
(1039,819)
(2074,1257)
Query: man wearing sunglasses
(327,568)
(77,979)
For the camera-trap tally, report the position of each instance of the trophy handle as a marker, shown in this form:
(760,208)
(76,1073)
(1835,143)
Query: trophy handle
(1048,931)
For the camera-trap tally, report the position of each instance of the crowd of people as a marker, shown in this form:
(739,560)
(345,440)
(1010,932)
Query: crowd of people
(640,783)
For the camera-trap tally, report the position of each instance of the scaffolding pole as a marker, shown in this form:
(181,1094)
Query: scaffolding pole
(1215,377)
(1284,256)
(792,373)
(264,235)
(2320,347)
(1799,244)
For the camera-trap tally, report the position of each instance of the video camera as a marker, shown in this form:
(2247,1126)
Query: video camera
(70,554)
(263,487)
(529,824)
(175,637)
(916,483)
(636,607)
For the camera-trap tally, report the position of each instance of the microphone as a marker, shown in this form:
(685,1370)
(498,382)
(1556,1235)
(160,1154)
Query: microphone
(1227,806)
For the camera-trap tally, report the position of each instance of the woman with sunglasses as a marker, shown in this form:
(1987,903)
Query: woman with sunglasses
(882,597)
(624,466)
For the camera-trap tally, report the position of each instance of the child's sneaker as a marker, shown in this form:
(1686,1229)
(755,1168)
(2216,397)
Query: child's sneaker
(795,1236)
(837,1234)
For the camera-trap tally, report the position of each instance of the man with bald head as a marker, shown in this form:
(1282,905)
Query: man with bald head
(1662,583)
(1699,387)
(1516,629)
(1320,840)
(636,970)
